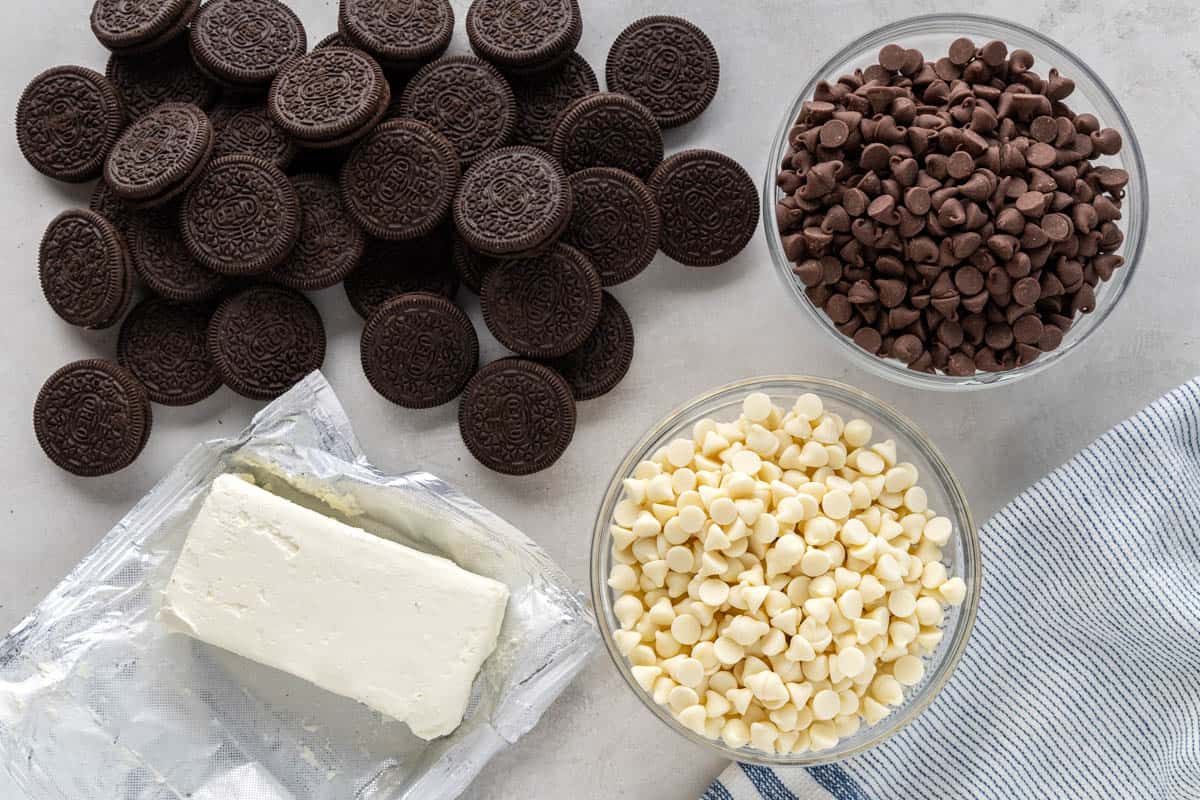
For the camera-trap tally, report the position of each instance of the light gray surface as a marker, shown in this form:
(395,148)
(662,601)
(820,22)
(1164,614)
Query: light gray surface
(696,329)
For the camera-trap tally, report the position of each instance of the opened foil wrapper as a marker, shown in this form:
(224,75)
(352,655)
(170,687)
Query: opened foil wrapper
(99,702)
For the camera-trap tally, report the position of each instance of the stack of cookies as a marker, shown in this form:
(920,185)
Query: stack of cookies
(238,172)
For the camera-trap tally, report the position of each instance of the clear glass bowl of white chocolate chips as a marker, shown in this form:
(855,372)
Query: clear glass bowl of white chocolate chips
(785,571)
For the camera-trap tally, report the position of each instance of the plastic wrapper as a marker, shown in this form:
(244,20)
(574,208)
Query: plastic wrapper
(98,701)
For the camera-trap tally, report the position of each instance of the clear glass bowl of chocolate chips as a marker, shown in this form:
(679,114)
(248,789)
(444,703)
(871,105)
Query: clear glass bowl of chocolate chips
(959,201)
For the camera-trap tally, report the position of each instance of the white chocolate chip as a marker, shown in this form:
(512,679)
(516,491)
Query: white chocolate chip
(786,538)
(954,591)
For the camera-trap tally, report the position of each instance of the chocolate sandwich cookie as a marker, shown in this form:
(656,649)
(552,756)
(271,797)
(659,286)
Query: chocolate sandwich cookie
(525,37)
(242,217)
(162,259)
(517,417)
(602,361)
(419,350)
(615,223)
(264,340)
(330,245)
(669,65)
(542,98)
(338,39)
(398,182)
(160,154)
(242,44)
(330,97)
(390,269)
(514,201)
(709,207)
(68,119)
(84,269)
(168,75)
(400,34)
(165,346)
(140,27)
(92,418)
(105,202)
(608,130)
(246,129)
(470,265)
(542,306)
(466,100)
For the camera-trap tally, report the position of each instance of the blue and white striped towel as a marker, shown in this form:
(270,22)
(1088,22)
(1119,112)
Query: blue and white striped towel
(1082,678)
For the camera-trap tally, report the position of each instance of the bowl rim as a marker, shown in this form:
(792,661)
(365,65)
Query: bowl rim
(965,529)
(1136,228)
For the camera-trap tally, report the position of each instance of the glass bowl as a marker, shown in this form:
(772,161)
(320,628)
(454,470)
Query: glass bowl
(932,34)
(961,554)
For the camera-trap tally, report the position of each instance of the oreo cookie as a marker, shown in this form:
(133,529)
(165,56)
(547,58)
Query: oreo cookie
(401,34)
(542,98)
(470,265)
(92,418)
(615,223)
(709,207)
(330,245)
(160,154)
(608,130)
(104,201)
(596,367)
(466,100)
(542,306)
(337,39)
(390,269)
(165,346)
(162,259)
(329,98)
(242,44)
(667,64)
(525,37)
(517,417)
(242,217)
(168,75)
(419,350)
(68,119)
(141,27)
(246,129)
(84,269)
(264,340)
(514,201)
(398,183)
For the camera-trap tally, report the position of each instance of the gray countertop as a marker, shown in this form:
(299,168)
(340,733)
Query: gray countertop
(696,329)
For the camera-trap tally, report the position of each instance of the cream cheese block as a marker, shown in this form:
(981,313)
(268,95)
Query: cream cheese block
(402,631)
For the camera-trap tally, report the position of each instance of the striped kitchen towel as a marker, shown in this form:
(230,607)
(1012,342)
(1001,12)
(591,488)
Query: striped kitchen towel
(1082,677)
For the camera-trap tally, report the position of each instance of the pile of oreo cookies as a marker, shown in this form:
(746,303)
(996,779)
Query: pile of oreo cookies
(239,170)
